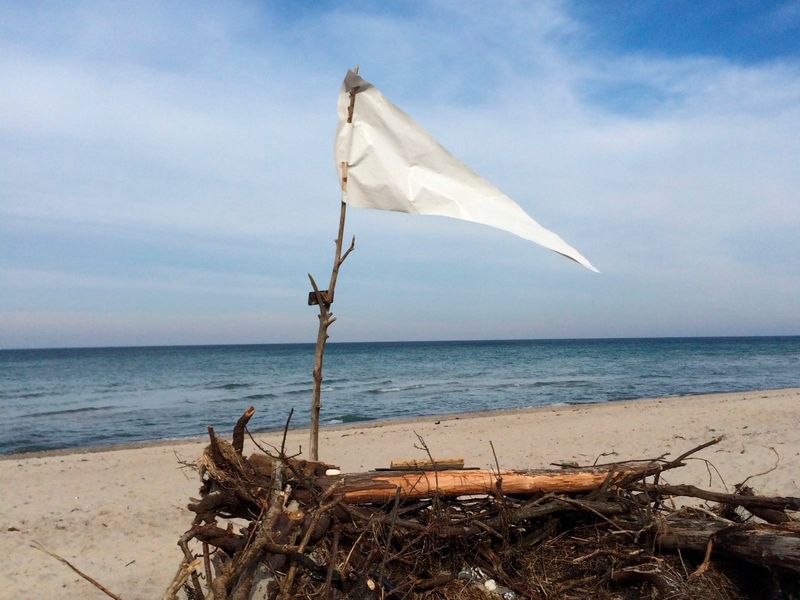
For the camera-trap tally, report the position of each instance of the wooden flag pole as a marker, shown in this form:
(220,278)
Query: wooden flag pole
(324,298)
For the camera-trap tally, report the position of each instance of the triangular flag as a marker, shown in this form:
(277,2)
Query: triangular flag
(394,164)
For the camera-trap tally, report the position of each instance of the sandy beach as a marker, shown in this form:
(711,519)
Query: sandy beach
(117,513)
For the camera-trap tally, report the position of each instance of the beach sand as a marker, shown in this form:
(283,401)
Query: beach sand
(117,514)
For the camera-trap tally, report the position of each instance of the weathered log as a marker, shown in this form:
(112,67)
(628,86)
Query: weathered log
(362,488)
(762,544)
(746,500)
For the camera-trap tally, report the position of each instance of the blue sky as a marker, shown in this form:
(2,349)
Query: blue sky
(167,173)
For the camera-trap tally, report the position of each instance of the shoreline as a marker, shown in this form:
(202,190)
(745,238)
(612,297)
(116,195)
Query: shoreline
(116,513)
(374,423)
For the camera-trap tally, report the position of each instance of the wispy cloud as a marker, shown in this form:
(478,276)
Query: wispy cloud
(211,126)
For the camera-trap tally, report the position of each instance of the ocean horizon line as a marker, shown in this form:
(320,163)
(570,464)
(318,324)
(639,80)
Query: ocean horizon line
(400,342)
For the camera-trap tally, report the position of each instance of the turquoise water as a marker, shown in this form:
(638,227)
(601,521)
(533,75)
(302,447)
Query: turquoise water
(85,397)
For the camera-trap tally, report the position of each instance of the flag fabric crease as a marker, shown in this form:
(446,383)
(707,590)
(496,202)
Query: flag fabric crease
(394,164)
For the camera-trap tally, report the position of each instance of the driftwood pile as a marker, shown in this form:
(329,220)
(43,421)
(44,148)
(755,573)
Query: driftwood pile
(272,526)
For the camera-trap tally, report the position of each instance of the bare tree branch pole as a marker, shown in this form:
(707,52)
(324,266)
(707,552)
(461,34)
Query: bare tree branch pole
(324,300)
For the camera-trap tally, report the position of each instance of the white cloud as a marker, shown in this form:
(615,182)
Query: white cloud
(660,170)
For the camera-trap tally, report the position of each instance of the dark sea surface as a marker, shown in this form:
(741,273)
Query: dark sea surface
(64,398)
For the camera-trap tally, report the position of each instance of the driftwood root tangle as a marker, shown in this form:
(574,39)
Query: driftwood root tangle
(271,526)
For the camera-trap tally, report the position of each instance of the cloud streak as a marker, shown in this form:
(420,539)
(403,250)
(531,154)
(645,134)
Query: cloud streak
(127,137)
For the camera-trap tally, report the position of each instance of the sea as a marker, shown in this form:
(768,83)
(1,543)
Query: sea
(67,398)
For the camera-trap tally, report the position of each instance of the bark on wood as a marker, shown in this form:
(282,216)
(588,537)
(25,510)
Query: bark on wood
(770,515)
(777,546)
(375,487)
(744,500)
(238,429)
(324,300)
(415,464)
(228,542)
(319,354)
(263,465)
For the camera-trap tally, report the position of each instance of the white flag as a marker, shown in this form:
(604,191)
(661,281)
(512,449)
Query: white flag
(394,164)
